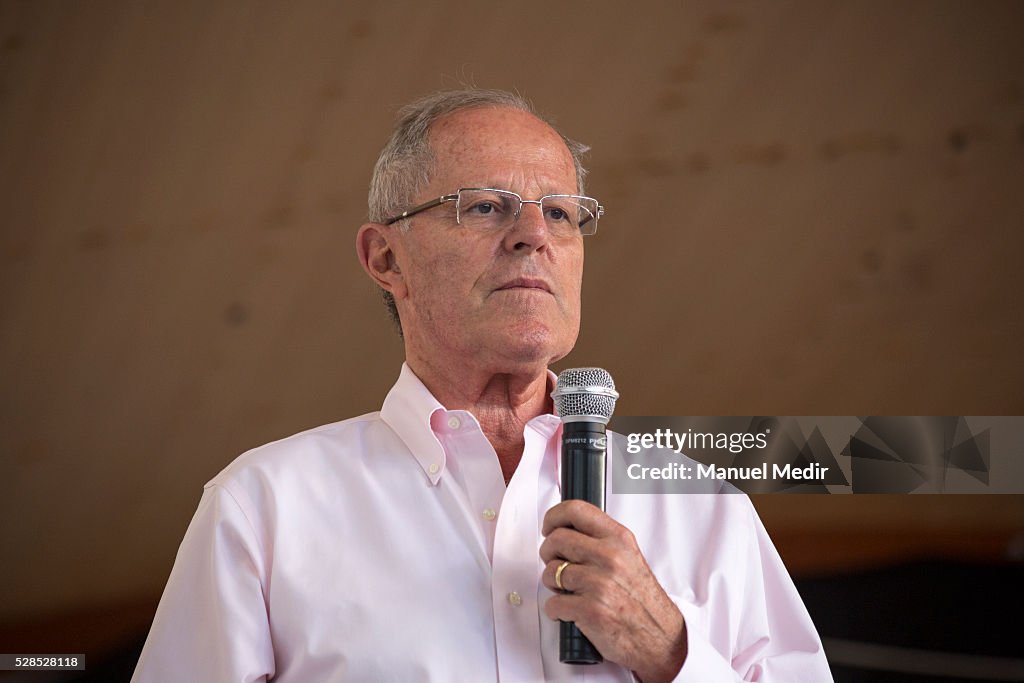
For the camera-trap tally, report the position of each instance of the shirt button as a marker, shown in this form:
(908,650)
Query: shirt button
(434,468)
(489,515)
(515,599)
(454,422)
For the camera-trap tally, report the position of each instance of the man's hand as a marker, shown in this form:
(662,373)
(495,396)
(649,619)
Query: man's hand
(610,592)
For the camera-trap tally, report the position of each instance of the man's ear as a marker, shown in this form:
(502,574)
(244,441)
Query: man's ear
(377,257)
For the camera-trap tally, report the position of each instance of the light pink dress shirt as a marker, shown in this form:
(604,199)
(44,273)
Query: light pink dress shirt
(388,548)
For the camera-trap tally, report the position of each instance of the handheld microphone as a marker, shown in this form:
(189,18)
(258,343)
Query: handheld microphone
(584,399)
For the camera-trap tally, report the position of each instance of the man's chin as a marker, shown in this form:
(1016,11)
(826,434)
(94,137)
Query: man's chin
(535,345)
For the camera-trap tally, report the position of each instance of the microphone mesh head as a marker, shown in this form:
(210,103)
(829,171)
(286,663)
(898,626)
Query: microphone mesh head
(585,392)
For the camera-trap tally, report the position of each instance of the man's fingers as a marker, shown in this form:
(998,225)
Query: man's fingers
(566,607)
(580,515)
(591,615)
(571,576)
(568,544)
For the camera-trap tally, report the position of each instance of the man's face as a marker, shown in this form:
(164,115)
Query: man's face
(506,298)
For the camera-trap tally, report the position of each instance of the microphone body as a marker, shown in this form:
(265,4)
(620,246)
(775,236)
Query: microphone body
(585,399)
(583,462)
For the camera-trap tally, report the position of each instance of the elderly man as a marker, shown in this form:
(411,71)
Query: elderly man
(422,542)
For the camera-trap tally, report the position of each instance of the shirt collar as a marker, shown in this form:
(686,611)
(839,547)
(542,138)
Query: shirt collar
(409,410)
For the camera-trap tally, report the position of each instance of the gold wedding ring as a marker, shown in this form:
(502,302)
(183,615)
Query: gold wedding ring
(558,574)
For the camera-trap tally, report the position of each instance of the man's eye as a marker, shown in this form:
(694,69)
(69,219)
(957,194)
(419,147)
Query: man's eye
(558,214)
(483,208)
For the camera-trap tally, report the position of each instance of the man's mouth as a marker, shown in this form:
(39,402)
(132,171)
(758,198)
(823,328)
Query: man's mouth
(526,283)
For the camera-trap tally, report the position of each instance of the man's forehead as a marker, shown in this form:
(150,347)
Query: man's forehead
(497,137)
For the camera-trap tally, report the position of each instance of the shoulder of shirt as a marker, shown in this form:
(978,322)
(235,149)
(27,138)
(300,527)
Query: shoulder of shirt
(290,451)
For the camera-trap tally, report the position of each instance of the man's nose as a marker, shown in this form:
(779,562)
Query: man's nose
(530,231)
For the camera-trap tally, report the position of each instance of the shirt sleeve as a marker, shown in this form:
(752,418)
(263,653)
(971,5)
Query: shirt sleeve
(211,624)
(770,637)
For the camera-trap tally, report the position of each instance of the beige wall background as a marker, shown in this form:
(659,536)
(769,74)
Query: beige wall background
(814,208)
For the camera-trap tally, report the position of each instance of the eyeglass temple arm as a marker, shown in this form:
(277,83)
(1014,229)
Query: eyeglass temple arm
(422,207)
(593,216)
